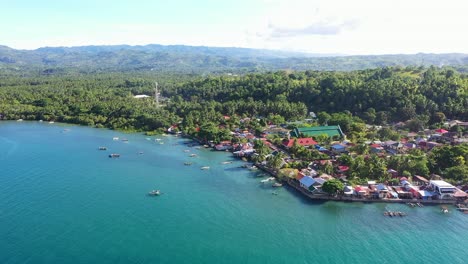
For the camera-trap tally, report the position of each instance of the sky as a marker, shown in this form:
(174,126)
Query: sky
(354,27)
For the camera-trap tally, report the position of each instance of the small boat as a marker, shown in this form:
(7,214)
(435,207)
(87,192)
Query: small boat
(193,155)
(253,168)
(51,122)
(420,204)
(444,209)
(186,150)
(157,139)
(125,140)
(140,153)
(114,155)
(115,138)
(19,120)
(154,193)
(226,162)
(205,168)
(277,184)
(274,193)
(267,180)
(102,148)
(411,204)
(188,163)
(41,121)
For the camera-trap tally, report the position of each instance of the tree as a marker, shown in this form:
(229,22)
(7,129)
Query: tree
(332,186)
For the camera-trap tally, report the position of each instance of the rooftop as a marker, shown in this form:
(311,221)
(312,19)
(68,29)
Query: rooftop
(330,131)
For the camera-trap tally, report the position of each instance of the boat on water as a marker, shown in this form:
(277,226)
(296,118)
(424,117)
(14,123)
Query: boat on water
(186,150)
(115,138)
(188,163)
(277,184)
(267,180)
(420,204)
(124,140)
(114,155)
(226,162)
(444,209)
(205,168)
(51,122)
(253,167)
(411,204)
(19,120)
(394,213)
(154,193)
(193,155)
(102,148)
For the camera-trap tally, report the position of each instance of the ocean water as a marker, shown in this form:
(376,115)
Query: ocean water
(64,201)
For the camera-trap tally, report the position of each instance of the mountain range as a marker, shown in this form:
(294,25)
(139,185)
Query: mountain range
(200,59)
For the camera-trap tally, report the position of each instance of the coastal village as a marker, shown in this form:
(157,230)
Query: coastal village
(275,150)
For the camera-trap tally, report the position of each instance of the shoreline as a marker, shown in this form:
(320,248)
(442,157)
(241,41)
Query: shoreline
(342,198)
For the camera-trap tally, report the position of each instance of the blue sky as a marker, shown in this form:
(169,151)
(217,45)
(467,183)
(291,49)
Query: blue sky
(317,26)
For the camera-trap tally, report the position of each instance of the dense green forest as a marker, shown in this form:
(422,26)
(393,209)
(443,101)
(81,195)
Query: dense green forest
(379,96)
(199,60)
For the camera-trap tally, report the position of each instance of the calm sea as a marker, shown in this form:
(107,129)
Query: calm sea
(64,201)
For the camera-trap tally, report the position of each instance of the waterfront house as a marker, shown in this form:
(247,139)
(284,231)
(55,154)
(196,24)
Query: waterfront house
(443,190)
(307,183)
(382,190)
(420,180)
(362,191)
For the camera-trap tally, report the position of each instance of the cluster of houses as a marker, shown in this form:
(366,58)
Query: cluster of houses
(311,181)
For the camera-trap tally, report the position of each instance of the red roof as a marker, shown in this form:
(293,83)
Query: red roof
(441,130)
(299,176)
(301,141)
(343,168)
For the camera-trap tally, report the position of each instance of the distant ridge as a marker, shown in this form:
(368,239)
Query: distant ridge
(201,59)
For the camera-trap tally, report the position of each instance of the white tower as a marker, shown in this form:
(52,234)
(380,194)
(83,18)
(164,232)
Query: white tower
(156,94)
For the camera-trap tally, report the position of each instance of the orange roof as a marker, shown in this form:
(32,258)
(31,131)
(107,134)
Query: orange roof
(301,141)
(299,176)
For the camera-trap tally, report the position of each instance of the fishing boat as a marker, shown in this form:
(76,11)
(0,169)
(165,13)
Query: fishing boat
(102,148)
(205,168)
(444,209)
(267,180)
(188,163)
(226,162)
(114,155)
(154,193)
(115,138)
(277,184)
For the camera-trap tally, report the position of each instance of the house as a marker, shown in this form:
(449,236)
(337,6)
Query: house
(443,190)
(305,142)
(420,180)
(330,131)
(382,190)
(307,183)
(361,191)
(338,148)
(139,96)
(376,148)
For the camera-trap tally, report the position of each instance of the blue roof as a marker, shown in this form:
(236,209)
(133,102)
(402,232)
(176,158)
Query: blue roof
(338,146)
(381,187)
(307,181)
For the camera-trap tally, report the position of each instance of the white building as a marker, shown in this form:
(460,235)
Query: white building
(443,189)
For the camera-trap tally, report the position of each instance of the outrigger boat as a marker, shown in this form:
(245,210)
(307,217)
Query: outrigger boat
(188,163)
(114,155)
(444,209)
(102,148)
(205,168)
(154,193)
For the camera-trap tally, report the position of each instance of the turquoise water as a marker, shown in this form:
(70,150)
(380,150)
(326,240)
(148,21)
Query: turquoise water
(64,201)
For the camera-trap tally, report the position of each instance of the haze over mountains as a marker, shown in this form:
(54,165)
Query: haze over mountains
(199,59)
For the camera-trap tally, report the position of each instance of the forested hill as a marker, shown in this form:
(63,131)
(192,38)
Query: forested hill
(201,60)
